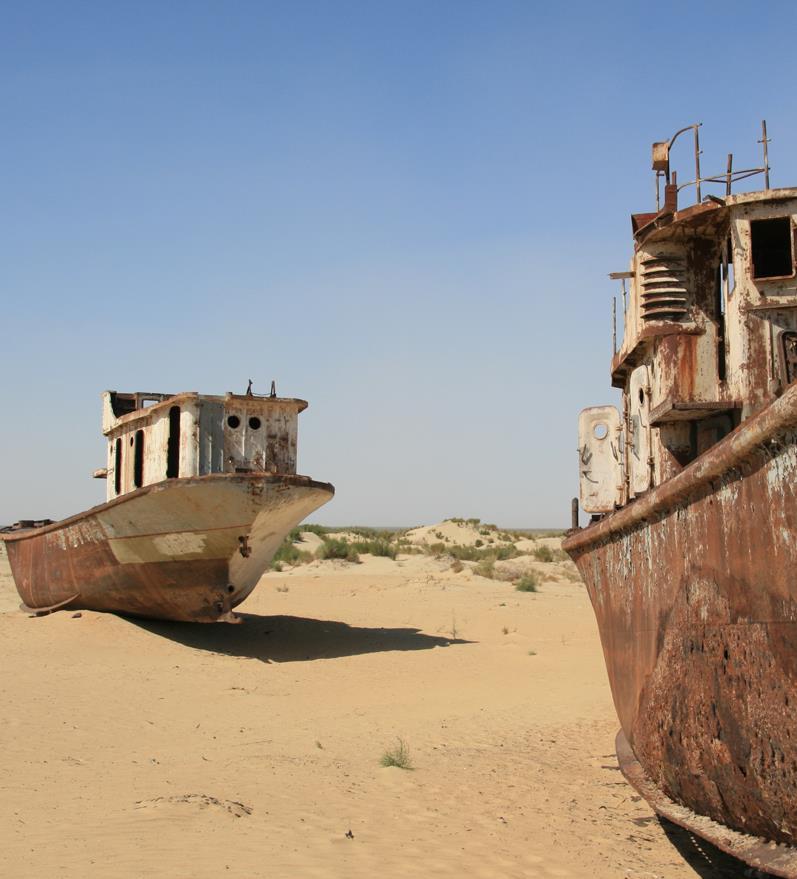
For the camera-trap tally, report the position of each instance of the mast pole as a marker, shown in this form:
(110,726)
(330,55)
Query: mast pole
(765,140)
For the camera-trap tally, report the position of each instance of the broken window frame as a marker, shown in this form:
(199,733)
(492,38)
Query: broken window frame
(787,218)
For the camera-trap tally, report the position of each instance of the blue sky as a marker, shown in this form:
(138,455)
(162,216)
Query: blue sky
(403,212)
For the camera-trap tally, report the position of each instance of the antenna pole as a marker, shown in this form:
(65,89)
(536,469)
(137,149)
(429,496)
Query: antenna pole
(614,325)
(729,174)
(765,140)
(697,163)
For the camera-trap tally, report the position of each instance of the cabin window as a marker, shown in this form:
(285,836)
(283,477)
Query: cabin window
(771,242)
(117,467)
(173,444)
(254,423)
(789,343)
(730,280)
(233,421)
(138,460)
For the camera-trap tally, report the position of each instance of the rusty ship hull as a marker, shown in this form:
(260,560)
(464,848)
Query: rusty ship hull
(189,549)
(695,593)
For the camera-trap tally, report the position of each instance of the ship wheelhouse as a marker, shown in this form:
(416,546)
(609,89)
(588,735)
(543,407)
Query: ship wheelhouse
(709,336)
(157,437)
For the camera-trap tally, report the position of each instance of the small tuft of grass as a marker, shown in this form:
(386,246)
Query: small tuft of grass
(438,550)
(485,568)
(378,547)
(338,549)
(505,631)
(457,566)
(398,756)
(532,652)
(528,583)
(288,554)
(543,554)
(283,588)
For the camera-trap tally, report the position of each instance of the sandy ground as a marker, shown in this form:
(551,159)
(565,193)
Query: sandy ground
(174,750)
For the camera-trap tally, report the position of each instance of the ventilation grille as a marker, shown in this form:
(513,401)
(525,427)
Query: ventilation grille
(664,293)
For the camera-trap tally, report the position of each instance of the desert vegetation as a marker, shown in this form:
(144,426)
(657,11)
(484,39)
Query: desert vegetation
(398,756)
(524,558)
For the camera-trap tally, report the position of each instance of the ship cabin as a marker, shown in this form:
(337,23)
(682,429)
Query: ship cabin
(709,329)
(155,437)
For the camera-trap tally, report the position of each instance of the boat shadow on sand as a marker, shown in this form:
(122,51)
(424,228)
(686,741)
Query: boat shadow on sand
(706,860)
(292,639)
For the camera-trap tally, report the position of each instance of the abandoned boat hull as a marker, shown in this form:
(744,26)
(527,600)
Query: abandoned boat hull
(189,549)
(695,593)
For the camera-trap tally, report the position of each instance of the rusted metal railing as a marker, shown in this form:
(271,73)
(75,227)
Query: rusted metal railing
(661,165)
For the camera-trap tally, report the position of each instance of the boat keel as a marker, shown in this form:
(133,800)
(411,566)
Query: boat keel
(776,859)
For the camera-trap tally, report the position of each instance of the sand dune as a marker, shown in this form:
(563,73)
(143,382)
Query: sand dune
(176,750)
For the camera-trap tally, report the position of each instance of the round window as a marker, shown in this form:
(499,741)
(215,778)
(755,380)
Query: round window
(600,430)
(254,422)
(233,421)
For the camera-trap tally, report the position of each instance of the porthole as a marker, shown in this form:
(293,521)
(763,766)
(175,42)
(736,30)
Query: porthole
(233,421)
(600,430)
(254,422)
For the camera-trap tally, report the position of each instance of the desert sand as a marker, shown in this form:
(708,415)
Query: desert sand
(134,748)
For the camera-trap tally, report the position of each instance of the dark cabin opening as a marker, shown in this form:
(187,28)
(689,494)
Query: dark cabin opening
(719,316)
(771,242)
(138,460)
(173,444)
(117,467)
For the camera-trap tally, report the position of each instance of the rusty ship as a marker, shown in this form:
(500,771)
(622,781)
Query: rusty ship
(201,490)
(690,554)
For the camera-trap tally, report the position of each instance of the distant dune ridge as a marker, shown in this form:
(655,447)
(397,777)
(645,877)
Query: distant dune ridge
(418,703)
